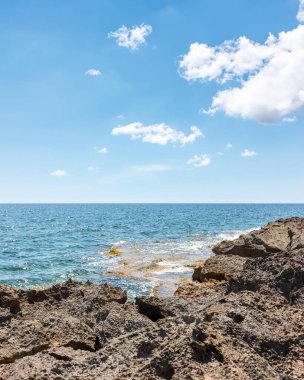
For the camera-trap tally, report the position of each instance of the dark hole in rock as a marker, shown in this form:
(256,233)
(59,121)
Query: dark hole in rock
(237,318)
(163,369)
(76,345)
(198,335)
(151,311)
(145,349)
(188,319)
(162,333)
(97,343)
(208,317)
(204,353)
(102,315)
(57,356)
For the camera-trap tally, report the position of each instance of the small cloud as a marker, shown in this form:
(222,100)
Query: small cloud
(300,15)
(248,153)
(59,173)
(289,119)
(92,168)
(228,146)
(199,161)
(93,72)
(102,150)
(131,38)
(160,134)
(220,153)
(120,116)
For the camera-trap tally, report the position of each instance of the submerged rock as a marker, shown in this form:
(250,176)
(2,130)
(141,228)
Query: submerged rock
(241,318)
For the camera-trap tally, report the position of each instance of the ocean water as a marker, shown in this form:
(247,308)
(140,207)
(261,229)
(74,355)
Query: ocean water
(42,244)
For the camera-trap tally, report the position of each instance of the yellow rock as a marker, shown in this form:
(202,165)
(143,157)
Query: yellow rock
(114,251)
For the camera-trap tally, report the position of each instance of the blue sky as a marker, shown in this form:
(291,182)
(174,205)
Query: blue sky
(123,134)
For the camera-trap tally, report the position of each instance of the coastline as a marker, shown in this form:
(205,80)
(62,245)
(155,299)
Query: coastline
(242,317)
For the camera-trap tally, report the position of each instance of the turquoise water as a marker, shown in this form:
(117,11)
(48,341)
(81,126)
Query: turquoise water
(45,244)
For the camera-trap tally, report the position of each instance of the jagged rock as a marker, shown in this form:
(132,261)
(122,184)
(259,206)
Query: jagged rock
(9,298)
(284,235)
(62,315)
(242,319)
(219,268)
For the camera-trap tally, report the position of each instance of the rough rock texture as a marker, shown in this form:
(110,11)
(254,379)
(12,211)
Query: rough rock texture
(243,318)
(284,235)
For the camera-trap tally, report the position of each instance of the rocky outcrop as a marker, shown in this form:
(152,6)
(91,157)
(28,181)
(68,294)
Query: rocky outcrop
(284,235)
(241,318)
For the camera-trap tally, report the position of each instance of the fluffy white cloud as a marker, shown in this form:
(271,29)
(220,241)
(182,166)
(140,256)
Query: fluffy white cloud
(59,173)
(102,150)
(200,161)
(133,37)
(93,72)
(160,134)
(269,77)
(93,169)
(228,146)
(300,15)
(230,60)
(248,153)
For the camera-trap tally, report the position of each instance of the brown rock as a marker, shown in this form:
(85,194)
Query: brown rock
(284,235)
(219,268)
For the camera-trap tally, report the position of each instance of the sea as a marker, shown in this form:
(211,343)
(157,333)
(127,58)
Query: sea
(143,248)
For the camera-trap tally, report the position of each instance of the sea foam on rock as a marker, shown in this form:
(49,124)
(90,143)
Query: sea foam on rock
(241,318)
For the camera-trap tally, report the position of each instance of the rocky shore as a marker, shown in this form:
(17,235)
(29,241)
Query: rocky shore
(242,317)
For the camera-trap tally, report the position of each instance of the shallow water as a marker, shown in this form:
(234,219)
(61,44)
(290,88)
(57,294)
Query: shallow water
(45,244)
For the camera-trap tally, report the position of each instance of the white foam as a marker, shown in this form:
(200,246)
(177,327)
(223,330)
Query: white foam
(118,243)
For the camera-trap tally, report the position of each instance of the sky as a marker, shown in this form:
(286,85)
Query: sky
(152,101)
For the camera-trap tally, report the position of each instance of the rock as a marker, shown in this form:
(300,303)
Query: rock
(60,316)
(242,318)
(284,235)
(9,298)
(219,268)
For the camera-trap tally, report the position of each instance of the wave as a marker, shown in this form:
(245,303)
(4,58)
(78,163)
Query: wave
(160,260)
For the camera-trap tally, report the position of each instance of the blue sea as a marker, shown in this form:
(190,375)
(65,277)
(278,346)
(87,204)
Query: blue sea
(157,244)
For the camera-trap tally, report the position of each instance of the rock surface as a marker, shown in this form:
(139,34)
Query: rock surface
(241,318)
(284,235)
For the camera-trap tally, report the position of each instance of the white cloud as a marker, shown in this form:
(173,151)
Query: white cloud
(157,133)
(200,161)
(228,146)
(102,150)
(269,77)
(151,168)
(120,116)
(133,37)
(248,153)
(92,168)
(59,173)
(93,72)
(291,119)
(300,15)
